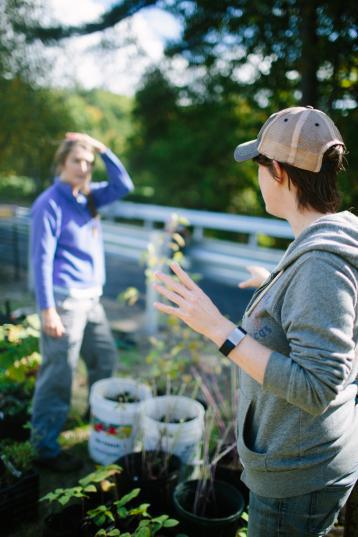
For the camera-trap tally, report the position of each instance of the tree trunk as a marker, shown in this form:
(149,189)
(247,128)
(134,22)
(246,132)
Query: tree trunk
(309,54)
(351,516)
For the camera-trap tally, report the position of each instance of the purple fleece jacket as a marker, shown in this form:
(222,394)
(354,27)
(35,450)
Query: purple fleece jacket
(66,241)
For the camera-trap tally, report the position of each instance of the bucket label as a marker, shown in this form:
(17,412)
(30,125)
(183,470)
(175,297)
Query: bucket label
(119,431)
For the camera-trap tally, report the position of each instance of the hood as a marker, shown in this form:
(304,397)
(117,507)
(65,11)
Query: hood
(336,233)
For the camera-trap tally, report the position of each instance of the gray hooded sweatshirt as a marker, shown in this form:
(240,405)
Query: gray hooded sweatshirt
(298,432)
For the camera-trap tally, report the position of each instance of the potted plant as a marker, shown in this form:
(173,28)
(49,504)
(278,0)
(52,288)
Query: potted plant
(216,513)
(120,518)
(207,506)
(222,397)
(14,411)
(175,424)
(85,511)
(19,363)
(115,409)
(19,484)
(155,472)
(71,504)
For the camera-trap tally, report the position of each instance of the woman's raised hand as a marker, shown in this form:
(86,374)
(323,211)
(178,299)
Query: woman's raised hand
(80,136)
(258,276)
(191,305)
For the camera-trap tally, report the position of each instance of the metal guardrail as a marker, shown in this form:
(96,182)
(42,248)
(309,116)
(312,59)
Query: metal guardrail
(220,260)
(200,220)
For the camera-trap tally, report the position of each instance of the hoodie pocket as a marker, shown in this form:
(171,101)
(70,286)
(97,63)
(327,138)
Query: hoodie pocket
(249,457)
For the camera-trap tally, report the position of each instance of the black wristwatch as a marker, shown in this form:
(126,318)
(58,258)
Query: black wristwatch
(232,341)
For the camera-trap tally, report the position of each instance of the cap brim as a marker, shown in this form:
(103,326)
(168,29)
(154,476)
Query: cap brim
(246,151)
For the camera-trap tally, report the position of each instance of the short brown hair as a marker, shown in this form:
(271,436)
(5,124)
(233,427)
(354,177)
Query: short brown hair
(317,190)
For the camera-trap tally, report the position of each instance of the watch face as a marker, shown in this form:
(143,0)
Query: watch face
(236,336)
(233,340)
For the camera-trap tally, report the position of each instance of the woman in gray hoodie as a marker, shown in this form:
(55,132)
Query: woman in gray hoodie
(297,345)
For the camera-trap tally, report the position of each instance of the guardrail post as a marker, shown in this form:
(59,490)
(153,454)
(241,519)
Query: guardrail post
(15,239)
(198,233)
(253,240)
(154,263)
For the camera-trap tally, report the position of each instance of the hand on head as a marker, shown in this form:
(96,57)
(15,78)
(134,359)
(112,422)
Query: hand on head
(82,137)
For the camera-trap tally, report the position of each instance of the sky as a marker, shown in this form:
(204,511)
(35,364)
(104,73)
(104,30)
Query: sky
(114,59)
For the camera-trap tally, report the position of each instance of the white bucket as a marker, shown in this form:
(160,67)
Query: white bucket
(182,439)
(114,425)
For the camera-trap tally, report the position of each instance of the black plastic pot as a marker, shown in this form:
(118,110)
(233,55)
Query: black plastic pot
(229,469)
(156,473)
(65,523)
(219,520)
(19,501)
(12,426)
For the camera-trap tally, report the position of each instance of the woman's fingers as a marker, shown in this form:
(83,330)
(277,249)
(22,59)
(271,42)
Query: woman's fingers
(170,310)
(173,297)
(251,282)
(258,276)
(171,284)
(183,276)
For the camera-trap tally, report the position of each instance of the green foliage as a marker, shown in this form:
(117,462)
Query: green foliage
(87,485)
(17,189)
(106,516)
(63,496)
(17,457)
(24,371)
(178,141)
(19,360)
(189,149)
(177,346)
(243,532)
(102,473)
(32,122)
(35,120)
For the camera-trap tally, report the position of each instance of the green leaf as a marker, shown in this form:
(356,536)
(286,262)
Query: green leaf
(90,488)
(141,510)
(100,520)
(128,497)
(142,532)
(170,523)
(122,512)
(101,474)
(63,500)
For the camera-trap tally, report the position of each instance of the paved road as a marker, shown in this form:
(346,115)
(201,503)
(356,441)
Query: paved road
(123,274)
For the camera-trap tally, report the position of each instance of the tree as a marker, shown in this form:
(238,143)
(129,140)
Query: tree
(32,122)
(184,152)
(32,118)
(306,47)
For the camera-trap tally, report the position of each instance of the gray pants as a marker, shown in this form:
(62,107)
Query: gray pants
(87,333)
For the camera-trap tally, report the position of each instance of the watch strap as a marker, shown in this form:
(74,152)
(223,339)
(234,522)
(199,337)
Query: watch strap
(232,341)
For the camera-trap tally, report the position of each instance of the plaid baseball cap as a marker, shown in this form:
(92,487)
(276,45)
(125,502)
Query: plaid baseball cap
(299,135)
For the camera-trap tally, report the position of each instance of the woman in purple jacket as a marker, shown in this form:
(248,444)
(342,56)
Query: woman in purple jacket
(68,268)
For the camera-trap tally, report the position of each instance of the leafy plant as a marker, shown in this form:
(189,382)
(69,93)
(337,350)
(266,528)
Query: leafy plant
(17,459)
(17,341)
(176,346)
(150,527)
(24,370)
(86,485)
(243,532)
(13,399)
